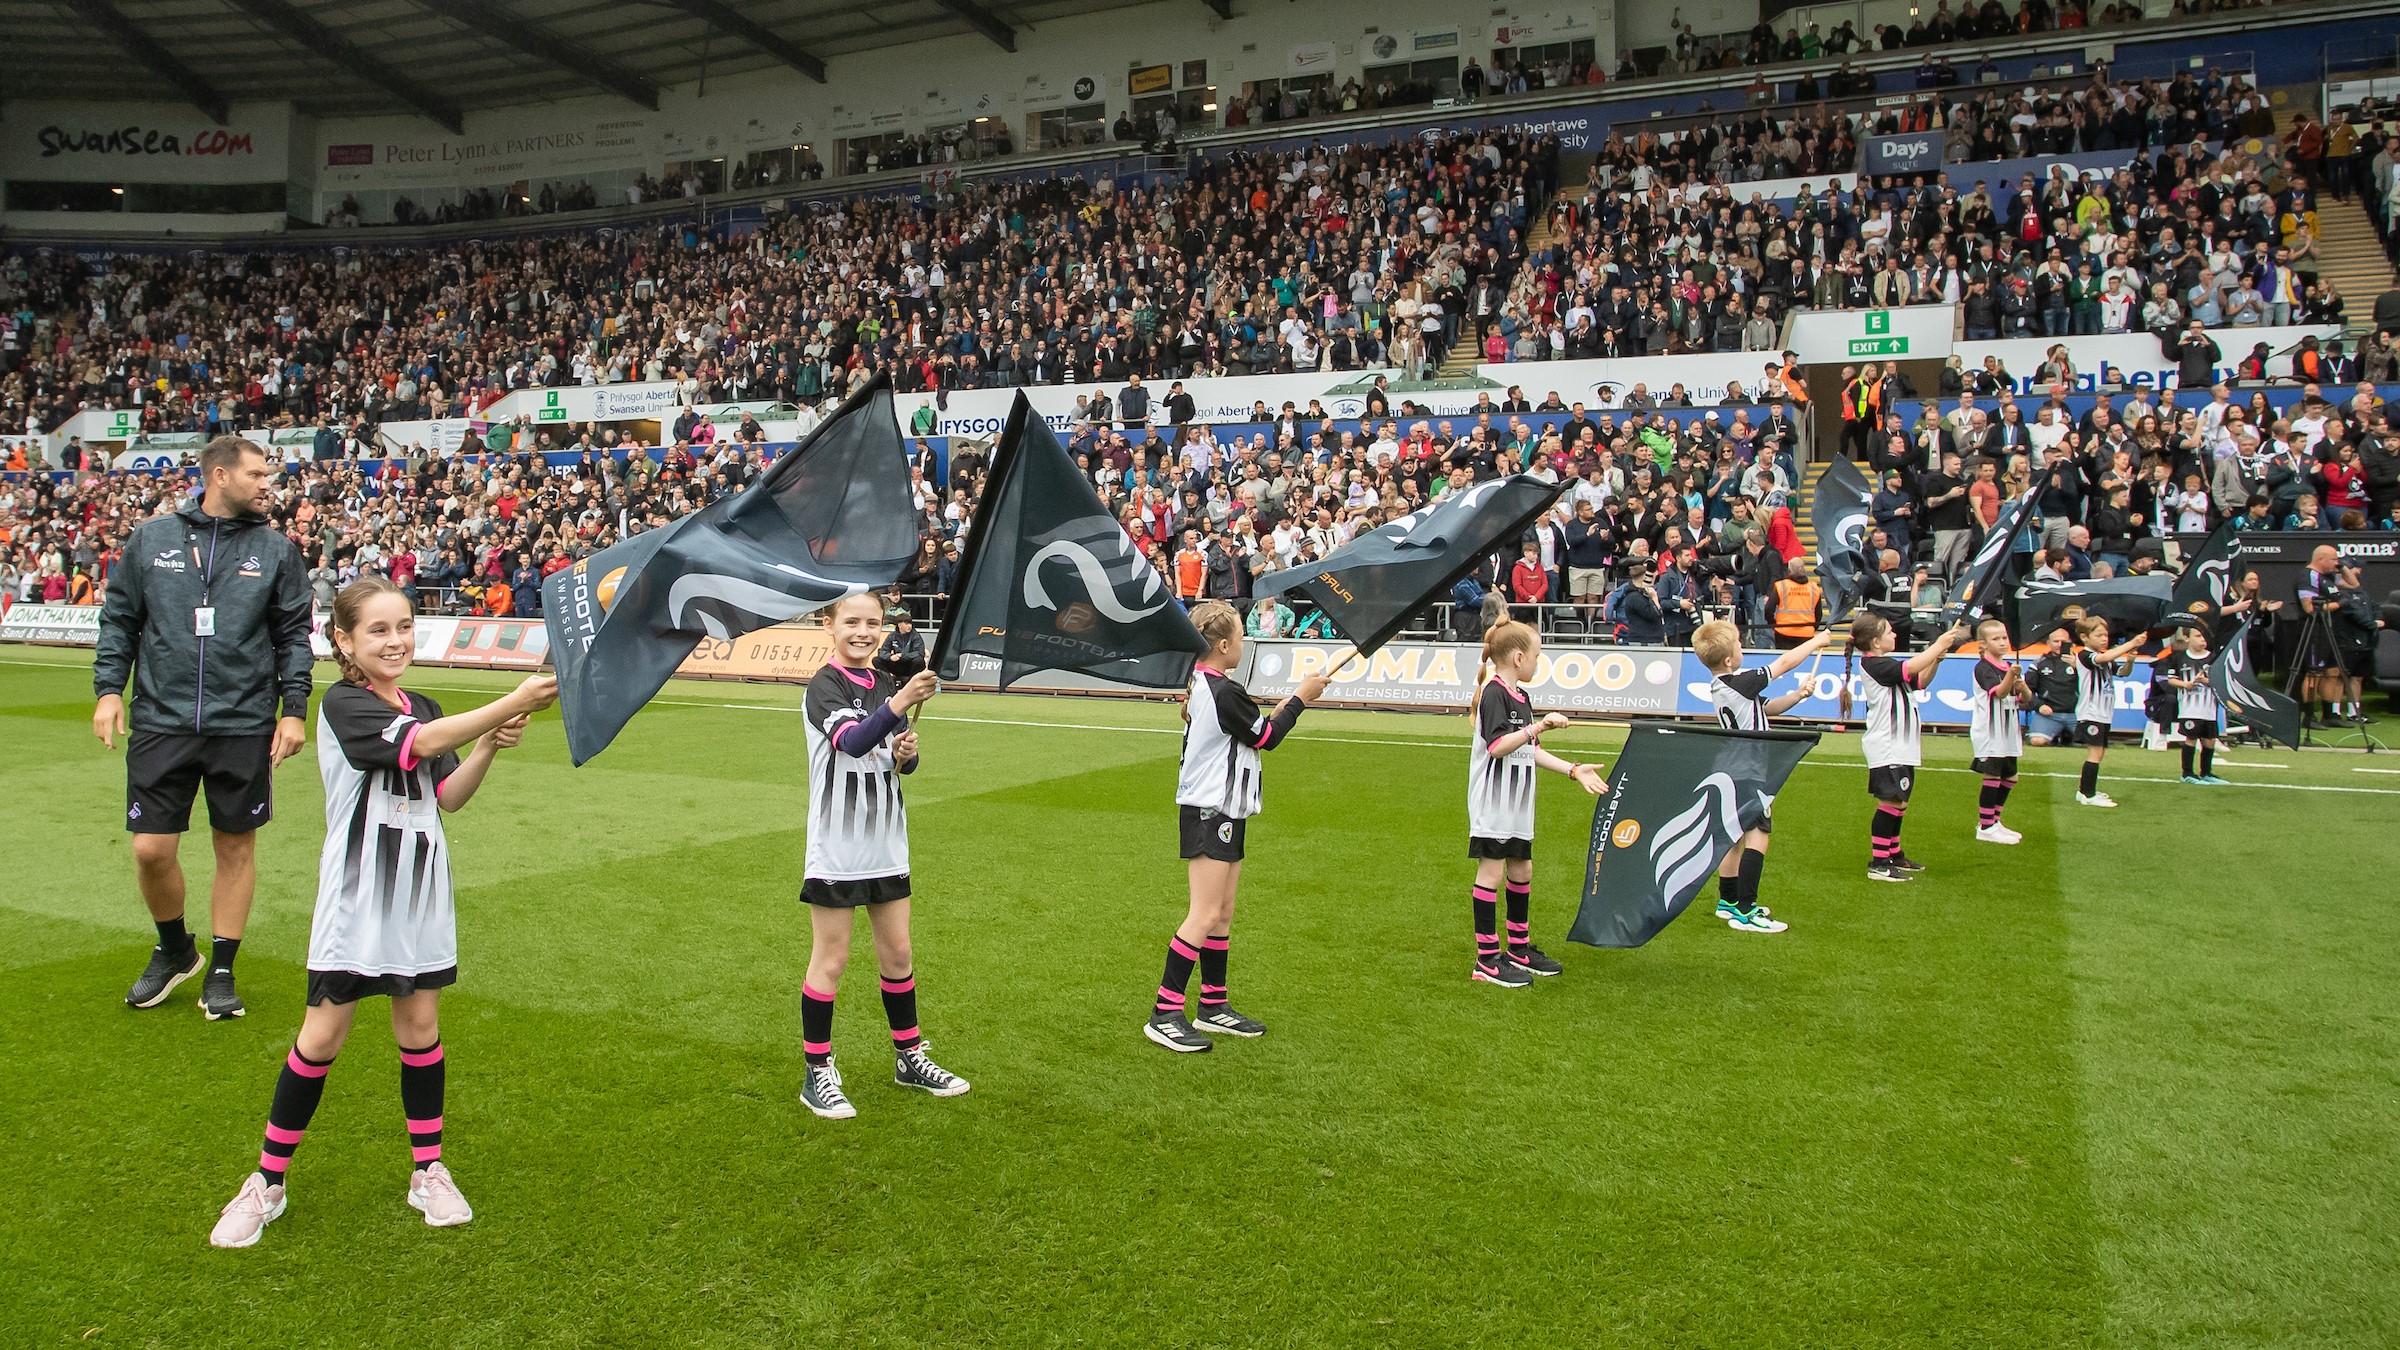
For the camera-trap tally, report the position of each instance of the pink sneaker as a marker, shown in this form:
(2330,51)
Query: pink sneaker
(251,1209)
(432,1193)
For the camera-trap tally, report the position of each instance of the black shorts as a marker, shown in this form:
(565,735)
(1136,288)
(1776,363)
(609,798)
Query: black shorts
(2092,733)
(348,986)
(1891,782)
(1211,834)
(2197,729)
(1996,766)
(1765,825)
(1483,846)
(2357,661)
(852,894)
(164,771)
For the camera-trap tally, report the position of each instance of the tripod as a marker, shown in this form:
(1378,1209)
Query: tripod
(2316,635)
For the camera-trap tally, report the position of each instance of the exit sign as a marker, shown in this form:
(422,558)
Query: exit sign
(1879,346)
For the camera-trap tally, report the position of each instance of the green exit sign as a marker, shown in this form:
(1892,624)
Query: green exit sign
(550,415)
(1879,346)
(1879,321)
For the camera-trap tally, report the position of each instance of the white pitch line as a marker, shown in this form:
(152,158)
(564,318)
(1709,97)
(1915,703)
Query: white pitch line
(1806,763)
(2389,771)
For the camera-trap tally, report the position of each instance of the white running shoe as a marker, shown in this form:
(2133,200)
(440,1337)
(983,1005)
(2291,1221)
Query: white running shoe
(432,1193)
(1997,834)
(2096,799)
(251,1209)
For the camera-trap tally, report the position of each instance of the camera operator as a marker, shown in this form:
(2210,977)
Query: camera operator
(1645,617)
(2051,720)
(2350,622)
(2326,677)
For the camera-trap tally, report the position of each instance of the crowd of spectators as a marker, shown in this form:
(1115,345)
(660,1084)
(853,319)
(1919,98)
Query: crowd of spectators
(1320,259)
(1662,253)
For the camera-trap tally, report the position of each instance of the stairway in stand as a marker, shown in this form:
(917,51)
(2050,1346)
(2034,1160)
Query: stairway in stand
(2352,258)
(1460,362)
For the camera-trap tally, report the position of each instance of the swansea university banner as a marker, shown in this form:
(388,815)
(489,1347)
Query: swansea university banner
(2259,708)
(1678,801)
(1987,571)
(1048,579)
(1838,513)
(1370,586)
(2130,604)
(831,518)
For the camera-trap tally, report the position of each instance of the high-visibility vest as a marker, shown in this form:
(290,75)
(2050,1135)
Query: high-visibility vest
(1796,607)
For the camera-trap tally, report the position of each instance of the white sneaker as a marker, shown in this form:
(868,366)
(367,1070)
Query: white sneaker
(2096,799)
(432,1193)
(1997,834)
(251,1209)
(1754,921)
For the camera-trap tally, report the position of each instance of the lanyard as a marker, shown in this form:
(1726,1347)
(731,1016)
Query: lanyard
(208,573)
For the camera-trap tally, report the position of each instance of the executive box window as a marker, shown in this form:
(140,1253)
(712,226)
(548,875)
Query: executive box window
(188,199)
(1083,124)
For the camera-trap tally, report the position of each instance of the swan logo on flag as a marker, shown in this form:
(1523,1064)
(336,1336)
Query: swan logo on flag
(725,607)
(1688,847)
(2215,575)
(1099,582)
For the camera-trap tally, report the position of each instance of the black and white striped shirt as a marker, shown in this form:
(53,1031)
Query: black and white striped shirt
(1222,734)
(1994,730)
(2095,689)
(857,820)
(1893,734)
(1500,787)
(384,904)
(1741,699)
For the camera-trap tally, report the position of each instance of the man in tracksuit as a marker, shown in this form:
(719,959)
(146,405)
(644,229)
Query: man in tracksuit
(208,612)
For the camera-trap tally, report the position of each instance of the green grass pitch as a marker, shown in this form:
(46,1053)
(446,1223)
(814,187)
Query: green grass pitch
(2132,1083)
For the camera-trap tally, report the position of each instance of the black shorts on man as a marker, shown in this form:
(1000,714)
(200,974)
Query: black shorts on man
(164,771)
(1211,834)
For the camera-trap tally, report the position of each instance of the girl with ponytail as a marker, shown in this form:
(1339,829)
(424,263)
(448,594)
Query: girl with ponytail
(1500,782)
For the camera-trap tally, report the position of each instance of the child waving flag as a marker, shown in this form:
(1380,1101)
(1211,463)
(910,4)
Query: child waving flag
(1216,793)
(386,924)
(1500,782)
(1743,705)
(859,746)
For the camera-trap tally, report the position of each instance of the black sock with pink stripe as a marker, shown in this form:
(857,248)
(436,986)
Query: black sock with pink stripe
(1214,952)
(1487,924)
(1520,917)
(816,1024)
(900,1009)
(422,1075)
(298,1089)
(1885,832)
(1181,957)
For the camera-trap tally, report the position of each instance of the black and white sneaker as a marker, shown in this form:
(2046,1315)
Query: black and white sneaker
(1534,960)
(1171,1031)
(821,1092)
(165,971)
(1884,871)
(1223,1020)
(912,1069)
(1906,863)
(217,998)
(1501,971)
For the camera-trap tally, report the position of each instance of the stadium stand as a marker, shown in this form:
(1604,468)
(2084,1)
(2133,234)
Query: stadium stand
(2088,206)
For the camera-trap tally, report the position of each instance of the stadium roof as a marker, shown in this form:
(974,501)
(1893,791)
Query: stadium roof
(437,58)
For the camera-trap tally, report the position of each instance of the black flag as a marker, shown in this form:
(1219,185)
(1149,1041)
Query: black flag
(2130,604)
(1838,513)
(1048,579)
(1678,800)
(1370,586)
(2208,575)
(832,518)
(1987,572)
(2262,709)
